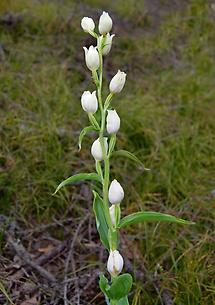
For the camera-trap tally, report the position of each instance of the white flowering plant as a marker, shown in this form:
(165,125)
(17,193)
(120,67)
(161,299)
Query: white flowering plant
(108,195)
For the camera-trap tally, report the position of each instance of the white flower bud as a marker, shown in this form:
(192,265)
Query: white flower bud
(89,101)
(87,24)
(96,149)
(115,193)
(117,82)
(105,23)
(107,44)
(92,58)
(112,214)
(113,122)
(114,263)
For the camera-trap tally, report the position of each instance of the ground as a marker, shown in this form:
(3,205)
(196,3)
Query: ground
(49,245)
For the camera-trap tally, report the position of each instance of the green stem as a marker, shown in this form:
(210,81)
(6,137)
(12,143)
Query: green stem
(102,141)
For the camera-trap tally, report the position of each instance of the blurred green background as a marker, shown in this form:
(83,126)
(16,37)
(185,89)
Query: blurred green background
(167,110)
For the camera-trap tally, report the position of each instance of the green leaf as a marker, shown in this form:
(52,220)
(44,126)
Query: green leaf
(94,73)
(101,224)
(150,216)
(107,101)
(129,155)
(93,121)
(120,287)
(99,169)
(83,133)
(112,144)
(123,301)
(103,283)
(77,178)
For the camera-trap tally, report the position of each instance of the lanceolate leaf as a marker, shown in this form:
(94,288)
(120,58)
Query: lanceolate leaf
(120,287)
(83,133)
(129,155)
(77,178)
(101,223)
(150,216)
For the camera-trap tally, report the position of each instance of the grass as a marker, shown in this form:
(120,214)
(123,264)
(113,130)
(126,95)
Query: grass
(167,111)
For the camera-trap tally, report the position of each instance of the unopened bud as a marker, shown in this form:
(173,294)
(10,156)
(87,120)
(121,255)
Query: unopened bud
(96,149)
(115,263)
(89,101)
(105,23)
(87,24)
(117,83)
(92,58)
(115,193)
(113,122)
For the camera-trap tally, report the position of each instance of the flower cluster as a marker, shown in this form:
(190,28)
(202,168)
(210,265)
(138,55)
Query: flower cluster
(90,101)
